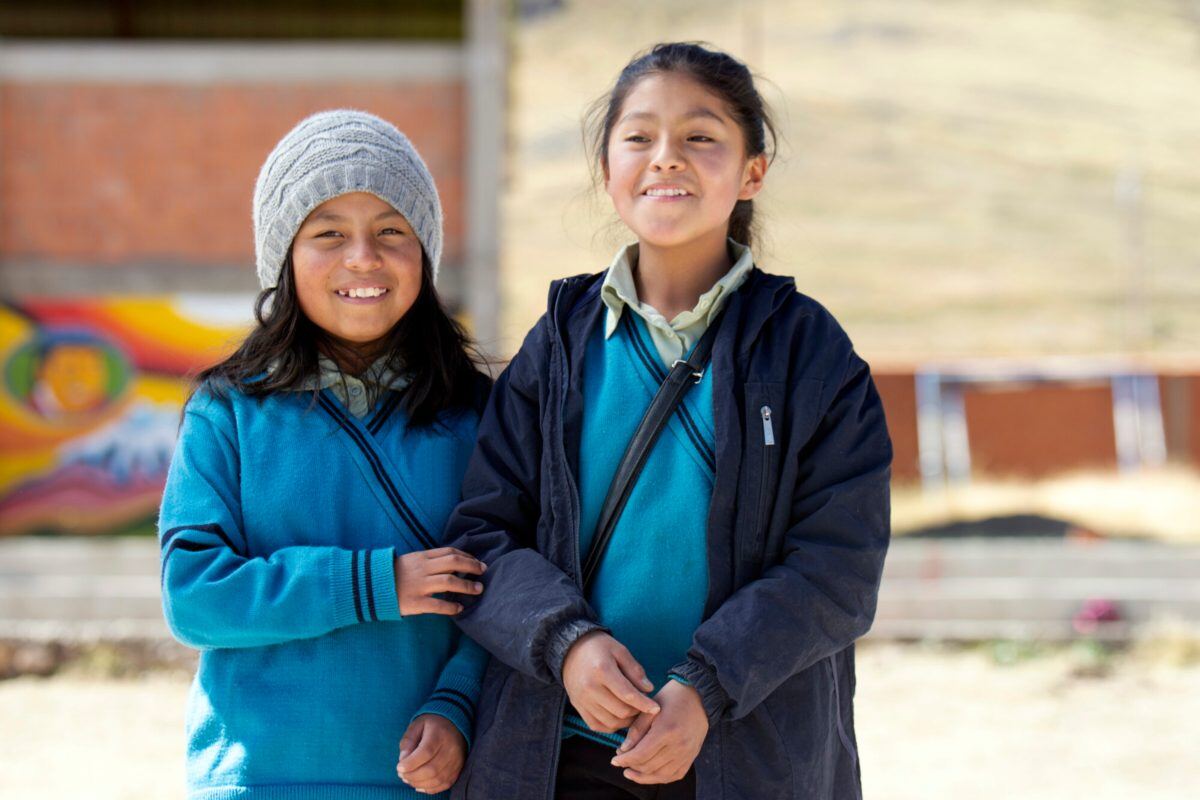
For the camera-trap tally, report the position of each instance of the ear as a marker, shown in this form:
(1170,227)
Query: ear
(752,177)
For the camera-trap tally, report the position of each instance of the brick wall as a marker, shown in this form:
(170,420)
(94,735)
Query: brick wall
(112,175)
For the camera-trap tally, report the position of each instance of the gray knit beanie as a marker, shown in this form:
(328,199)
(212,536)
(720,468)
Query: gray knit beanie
(334,153)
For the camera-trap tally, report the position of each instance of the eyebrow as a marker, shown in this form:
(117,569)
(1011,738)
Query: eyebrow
(329,216)
(699,112)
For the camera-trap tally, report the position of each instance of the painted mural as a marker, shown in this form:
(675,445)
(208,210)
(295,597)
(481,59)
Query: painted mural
(90,397)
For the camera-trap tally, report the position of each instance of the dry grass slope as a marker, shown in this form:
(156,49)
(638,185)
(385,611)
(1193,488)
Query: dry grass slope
(949,177)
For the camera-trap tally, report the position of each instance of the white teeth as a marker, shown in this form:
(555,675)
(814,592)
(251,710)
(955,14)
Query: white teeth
(665,192)
(374,291)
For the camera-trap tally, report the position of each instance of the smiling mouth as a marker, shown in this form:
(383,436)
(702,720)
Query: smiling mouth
(667,192)
(374,291)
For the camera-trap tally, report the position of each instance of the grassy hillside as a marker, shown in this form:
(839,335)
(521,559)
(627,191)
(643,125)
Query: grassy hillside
(949,174)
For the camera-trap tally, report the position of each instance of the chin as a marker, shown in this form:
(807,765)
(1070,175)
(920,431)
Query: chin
(664,238)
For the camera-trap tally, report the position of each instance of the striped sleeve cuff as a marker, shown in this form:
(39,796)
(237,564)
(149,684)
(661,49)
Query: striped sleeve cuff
(455,699)
(364,587)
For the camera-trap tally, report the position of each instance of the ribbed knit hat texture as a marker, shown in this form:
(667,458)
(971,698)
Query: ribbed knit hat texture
(334,153)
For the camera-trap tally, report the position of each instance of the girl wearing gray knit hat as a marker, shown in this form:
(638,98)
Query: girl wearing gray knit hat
(315,469)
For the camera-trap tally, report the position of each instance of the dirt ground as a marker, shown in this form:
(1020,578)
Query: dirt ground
(1002,721)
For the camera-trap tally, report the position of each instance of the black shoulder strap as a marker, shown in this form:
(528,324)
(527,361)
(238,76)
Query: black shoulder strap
(683,375)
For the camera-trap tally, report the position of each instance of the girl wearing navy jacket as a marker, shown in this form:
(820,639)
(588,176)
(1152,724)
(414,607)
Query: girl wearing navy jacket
(712,654)
(315,470)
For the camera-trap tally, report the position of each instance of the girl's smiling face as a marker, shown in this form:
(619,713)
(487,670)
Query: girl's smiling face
(357,268)
(677,163)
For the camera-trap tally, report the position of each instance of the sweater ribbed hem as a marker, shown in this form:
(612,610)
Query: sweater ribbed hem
(327,791)
(343,589)
(383,584)
(573,725)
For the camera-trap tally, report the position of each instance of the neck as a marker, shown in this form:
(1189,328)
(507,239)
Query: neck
(672,279)
(351,358)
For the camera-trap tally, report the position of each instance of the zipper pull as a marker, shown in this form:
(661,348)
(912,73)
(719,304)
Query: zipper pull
(768,428)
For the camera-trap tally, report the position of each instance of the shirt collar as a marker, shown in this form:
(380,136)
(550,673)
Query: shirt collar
(378,373)
(619,290)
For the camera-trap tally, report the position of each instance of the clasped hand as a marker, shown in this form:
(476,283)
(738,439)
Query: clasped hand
(424,573)
(606,685)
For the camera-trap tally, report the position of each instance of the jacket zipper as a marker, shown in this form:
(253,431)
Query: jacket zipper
(765,473)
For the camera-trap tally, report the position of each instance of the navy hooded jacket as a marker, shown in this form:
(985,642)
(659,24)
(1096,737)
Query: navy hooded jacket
(796,540)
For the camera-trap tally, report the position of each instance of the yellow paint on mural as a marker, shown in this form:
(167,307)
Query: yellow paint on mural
(21,467)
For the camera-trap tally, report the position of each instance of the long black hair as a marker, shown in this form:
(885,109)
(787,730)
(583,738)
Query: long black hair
(427,344)
(721,74)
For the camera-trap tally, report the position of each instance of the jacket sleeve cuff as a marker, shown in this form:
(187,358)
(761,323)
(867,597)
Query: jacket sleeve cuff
(364,586)
(563,637)
(454,699)
(704,680)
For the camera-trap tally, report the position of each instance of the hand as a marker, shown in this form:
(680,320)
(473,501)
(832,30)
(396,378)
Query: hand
(602,679)
(661,748)
(432,754)
(424,573)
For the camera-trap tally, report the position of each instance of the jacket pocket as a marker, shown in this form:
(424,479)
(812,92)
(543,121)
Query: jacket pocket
(760,459)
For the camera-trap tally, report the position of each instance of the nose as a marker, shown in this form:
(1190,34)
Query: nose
(363,254)
(666,157)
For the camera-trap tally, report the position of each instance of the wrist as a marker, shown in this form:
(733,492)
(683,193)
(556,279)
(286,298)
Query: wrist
(564,639)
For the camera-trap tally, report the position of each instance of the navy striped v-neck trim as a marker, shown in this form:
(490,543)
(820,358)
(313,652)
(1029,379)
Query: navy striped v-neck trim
(385,411)
(393,493)
(654,366)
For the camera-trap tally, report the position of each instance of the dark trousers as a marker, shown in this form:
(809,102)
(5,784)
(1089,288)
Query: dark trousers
(584,773)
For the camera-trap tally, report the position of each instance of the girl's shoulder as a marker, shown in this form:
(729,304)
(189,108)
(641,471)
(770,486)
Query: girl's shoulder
(796,306)
(795,323)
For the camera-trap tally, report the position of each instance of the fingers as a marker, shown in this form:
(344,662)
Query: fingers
(447,559)
(435,764)
(411,737)
(632,670)
(425,751)
(636,731)
(437,774)
(606,717)
(621,683)
(652,745)
(669,772)
(632,701)
(448,583)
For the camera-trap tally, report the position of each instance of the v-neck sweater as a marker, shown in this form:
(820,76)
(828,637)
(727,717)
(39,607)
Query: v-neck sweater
(650,587)
(280,521)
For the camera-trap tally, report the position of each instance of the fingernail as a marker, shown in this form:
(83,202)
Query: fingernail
(479,587)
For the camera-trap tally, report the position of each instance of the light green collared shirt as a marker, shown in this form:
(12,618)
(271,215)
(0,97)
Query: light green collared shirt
(672,339)
(355,392)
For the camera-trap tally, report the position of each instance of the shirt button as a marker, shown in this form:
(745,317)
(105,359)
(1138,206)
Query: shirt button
(356,390)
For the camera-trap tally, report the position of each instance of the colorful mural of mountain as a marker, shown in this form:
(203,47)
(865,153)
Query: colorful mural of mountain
(90,396)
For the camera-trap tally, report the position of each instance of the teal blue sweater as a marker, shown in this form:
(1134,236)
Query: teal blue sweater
(279,524)
(651,586)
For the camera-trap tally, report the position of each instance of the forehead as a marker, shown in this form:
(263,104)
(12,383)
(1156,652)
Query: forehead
(671,96)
